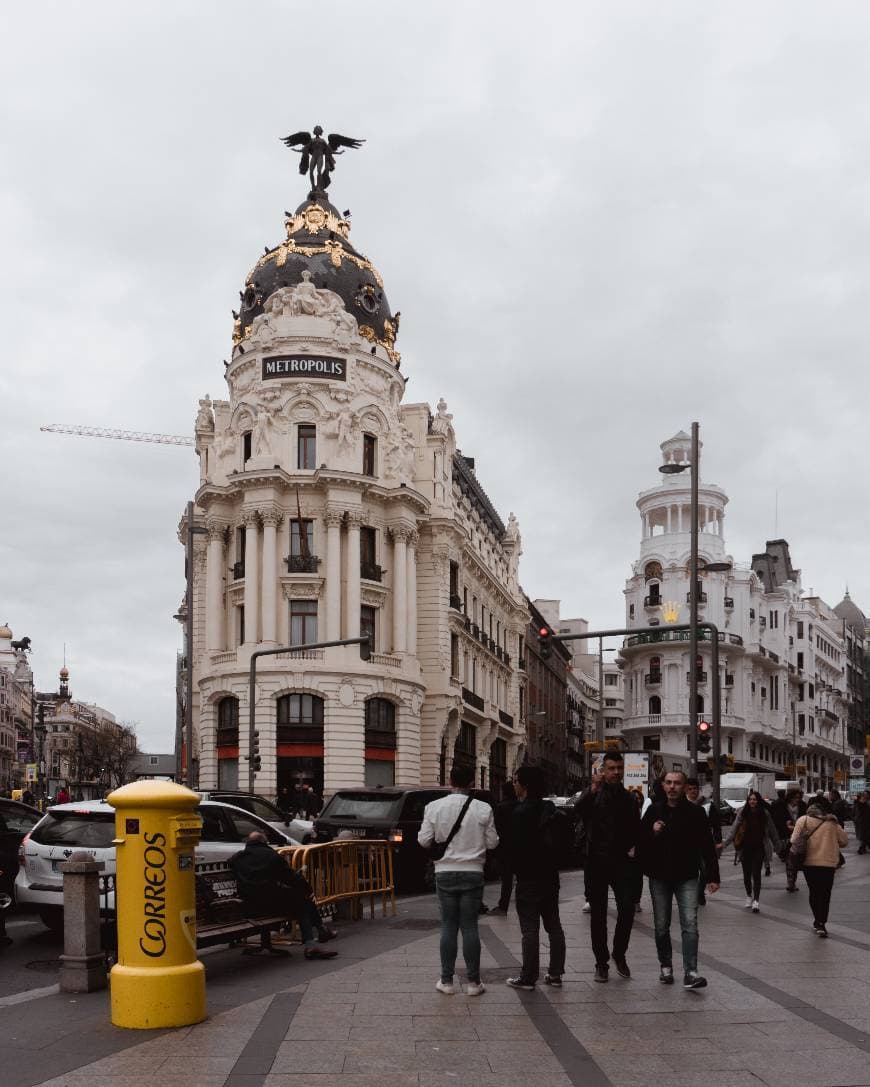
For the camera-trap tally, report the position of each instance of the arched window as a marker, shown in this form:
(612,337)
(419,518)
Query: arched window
(380,723)
(655,705)
(300,719)
(228,721)
(652,571)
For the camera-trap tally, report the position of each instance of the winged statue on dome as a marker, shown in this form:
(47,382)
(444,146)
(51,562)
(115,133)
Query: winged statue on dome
(318,154)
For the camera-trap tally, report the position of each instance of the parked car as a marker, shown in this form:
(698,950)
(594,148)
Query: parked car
(393,814)
(300,829)
(90,826)
(16,820)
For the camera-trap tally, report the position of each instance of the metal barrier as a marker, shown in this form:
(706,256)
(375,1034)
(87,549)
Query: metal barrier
(348,871)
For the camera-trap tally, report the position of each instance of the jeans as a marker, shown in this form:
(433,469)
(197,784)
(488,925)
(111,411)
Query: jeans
(686,892)
(537,901)
(752,863)
(601,874)
(459,896)
(820,882)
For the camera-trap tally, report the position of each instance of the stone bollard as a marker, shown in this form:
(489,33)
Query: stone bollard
(83,962)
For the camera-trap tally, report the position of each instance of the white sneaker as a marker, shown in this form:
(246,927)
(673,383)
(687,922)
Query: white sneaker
(755,906)
(587,908)
(475,988)
(445,987)
(748,903)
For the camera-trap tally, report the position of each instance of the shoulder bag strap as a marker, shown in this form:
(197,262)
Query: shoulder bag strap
(452,833)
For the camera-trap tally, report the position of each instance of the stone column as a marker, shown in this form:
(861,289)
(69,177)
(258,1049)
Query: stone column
(83,963)
(352,602)
(400,587)
(411,587)
(252,575)
(271,520)
(214,587)
(669,519)
(333,572)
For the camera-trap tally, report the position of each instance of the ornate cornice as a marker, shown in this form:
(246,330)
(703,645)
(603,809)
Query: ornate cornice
(301,588)
(373,597)
(250,517)
(271,516)
(401,531)
(355,518)
(217,530)
(333,515)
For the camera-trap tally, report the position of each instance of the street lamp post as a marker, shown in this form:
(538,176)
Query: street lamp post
(39,730)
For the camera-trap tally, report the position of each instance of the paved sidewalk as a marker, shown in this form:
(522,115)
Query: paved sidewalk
(783,1008)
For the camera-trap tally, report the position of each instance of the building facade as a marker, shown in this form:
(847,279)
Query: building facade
(547,717)
(854,633)
(16,713)
(781,657)
(332,509)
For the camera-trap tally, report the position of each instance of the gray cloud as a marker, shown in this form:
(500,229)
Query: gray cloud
(600,221)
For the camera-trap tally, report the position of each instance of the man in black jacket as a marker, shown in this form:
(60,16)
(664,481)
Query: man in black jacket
(503,815)
(611,818)
(269,886)
(675,844)
(531,847)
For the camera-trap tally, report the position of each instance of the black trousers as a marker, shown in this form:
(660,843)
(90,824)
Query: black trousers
(602,874)
(537,903)
(820,882)
(507,885)
(752,863)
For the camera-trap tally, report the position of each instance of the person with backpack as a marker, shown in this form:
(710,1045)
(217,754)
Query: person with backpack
(536,835)
(816,842)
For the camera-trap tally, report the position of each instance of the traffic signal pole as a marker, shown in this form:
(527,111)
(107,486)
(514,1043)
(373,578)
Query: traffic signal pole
(364,644)
(714,653)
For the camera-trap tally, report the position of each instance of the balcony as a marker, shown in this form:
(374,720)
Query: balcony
(302,564)
(702,598)
(507,659)
(475,630)
(227,737)
(702,677)
(238,570)
(472,699)
(499,652)
(652,601)
(383,738)
(653,679)
(677,636)
(729,603)
(729,680)
(762,622)
(466,622)
(505,718)
(370,571)
(455,602)
(521,663)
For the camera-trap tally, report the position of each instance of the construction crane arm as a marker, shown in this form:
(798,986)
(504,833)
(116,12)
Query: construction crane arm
(119,435)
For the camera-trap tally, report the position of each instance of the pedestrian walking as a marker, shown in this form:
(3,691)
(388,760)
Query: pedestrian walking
(612,821)
(63,796)
(675,843)
(752,834)
(839,807)
(862,821)
(465,829)
(817,840)
(714,821)
(534,837)
(503,813)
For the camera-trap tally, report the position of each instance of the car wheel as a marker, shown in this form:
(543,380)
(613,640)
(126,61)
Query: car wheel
(52,918)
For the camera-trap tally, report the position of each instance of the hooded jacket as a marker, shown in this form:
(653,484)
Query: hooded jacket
(676,853)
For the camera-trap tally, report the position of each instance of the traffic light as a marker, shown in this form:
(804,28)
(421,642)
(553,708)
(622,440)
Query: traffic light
(704,736)
(545,643)
(365,648)
(256,761)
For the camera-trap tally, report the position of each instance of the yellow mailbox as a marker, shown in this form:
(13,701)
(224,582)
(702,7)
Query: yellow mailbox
(158,980)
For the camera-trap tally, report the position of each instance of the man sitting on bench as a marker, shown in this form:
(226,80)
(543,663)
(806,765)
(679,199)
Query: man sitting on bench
(270,887)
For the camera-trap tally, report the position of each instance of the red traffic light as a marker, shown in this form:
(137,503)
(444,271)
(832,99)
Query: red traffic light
(544,632)
(704,726)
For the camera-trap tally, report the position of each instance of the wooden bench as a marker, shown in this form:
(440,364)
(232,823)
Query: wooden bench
(222,917)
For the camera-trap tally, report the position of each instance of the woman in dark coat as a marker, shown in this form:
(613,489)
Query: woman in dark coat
(753,835)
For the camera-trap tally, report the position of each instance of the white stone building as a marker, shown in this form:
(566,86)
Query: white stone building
(780,655)
(332,508)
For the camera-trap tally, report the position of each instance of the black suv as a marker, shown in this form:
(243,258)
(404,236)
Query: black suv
(393,814)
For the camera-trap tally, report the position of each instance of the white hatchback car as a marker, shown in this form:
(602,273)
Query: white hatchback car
(90,826)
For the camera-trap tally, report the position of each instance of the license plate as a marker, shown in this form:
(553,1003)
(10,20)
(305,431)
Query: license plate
(353,832)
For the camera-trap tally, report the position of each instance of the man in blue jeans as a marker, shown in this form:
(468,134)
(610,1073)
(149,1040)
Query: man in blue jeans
(459,873)
(675,846)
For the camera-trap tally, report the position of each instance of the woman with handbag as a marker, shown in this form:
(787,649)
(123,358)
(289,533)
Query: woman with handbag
(753,835)
(816,842)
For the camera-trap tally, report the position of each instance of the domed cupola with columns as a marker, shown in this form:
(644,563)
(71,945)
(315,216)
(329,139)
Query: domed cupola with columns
(329,508)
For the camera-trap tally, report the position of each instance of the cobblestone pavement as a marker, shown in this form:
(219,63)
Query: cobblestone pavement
(782,1008)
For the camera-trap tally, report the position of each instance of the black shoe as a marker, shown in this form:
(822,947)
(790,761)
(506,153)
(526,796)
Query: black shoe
(601,971)
(791,888)
(693,980)
(621,966)
(520,983)
(666,975)
(498,911)
(767,870)
(553,979)
(822,931)
(483,908)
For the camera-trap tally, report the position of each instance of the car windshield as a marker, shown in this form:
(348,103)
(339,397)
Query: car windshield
(90,830)
(256,806)
(361,806)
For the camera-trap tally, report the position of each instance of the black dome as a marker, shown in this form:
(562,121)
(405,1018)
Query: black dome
(317,242)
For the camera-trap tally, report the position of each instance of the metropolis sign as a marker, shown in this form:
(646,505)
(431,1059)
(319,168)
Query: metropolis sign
(308,366)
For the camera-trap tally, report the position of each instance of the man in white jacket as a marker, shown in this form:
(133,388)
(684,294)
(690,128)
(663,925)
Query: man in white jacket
(459,874)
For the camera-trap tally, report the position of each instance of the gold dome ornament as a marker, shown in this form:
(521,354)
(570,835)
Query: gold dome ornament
(5,632)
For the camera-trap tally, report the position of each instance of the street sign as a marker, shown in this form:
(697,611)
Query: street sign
(857,785)
(856,765)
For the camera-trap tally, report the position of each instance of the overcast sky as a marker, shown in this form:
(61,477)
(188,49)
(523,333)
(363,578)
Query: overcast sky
(599,220)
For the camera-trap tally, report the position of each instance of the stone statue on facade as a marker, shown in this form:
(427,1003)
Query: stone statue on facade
(318,155)
(264,434)
(205,415)
(443,421)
